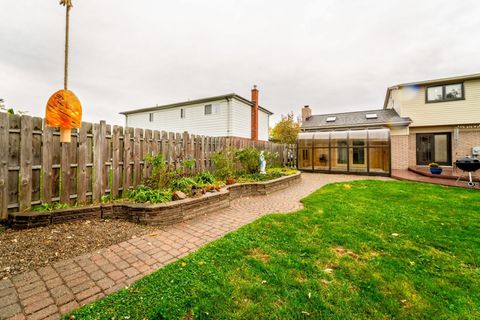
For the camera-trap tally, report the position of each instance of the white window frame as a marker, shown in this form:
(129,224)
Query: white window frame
(151,117)
(182,113)
(205,109)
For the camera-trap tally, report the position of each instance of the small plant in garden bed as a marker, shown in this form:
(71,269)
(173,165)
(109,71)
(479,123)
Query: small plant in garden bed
(143,194)
(205,178)
(50,206)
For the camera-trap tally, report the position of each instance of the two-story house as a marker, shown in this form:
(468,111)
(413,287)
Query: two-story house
(420,123)
(228,115)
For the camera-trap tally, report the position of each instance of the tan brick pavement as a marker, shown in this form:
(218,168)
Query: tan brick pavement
(51,291)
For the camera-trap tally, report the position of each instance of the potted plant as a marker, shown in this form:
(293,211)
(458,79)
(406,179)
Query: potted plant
(435,168)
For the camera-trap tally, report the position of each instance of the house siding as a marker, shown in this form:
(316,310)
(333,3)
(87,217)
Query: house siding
(463,140)
(410,102)
(241,120)
(195,121)
(263,125)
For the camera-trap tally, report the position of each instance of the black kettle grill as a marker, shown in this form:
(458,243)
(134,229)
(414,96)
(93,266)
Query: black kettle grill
(468,164)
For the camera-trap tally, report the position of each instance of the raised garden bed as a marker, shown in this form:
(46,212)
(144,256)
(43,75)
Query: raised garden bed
(161,214)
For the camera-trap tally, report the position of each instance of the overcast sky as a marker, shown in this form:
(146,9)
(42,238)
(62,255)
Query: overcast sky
(333,55)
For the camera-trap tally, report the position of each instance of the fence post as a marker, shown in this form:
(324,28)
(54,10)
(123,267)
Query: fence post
(4,126)
(25,196)
(99,139)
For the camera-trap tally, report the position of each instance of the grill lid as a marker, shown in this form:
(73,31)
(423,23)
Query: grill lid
(468,160)
(468,164)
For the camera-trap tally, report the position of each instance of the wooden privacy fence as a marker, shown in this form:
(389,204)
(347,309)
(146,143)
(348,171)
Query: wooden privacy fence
(101,160)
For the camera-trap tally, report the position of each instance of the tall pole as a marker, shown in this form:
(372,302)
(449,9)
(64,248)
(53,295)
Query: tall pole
(68,6)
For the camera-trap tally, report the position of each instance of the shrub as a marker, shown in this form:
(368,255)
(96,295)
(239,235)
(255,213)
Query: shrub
(205,178)
(249,158)
(183,184)
(224,161)
(159,178)
(143,194)
(272,159)
(188,164)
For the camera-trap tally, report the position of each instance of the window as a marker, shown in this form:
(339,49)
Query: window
(445,93)
(331,119)
(342,153)
(182,113)
(150,117)
(208,109)
(358,152)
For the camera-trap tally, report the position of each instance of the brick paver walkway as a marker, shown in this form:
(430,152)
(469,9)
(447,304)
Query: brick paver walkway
(54,290)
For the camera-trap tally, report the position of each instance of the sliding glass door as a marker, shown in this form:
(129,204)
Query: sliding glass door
(434,147)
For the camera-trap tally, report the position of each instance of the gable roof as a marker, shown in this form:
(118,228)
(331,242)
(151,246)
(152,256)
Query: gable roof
(196,101)
(472,76)
(387,117)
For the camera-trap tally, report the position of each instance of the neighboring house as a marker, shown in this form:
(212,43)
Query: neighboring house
(229,115)
(421,122)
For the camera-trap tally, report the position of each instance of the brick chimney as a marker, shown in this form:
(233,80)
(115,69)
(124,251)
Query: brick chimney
(306,113)
(255,113)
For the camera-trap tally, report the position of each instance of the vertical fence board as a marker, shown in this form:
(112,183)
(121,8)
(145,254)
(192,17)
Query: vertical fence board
(127,168)
(82,164)
(36,159)
(47,178)
(65,174)
(99,133)
(4,166)
(201,148)
(107,156)
(136,156)
(13,160)
(116,173)
(26,158)
(147,149)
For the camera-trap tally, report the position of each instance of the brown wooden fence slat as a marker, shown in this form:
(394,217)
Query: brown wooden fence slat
(36,159)
(127,168)
(147,149)
(47,178)
(99,133)
(4,166)
(26,158)
(82,164)
(66,173)
(116,172)
(136,156)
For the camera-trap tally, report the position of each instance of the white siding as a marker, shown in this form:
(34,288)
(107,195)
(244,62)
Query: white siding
(195,121)
(263,124)
(241,119)
(410,102)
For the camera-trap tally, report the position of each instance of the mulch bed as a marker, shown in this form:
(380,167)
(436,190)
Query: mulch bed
(25,250)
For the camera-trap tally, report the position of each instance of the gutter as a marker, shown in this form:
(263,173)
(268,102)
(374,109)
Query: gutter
(389,124)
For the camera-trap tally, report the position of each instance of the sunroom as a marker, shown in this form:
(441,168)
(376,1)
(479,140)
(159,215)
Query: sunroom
(363,151)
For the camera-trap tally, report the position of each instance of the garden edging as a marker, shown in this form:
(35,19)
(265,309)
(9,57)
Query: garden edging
(161,214)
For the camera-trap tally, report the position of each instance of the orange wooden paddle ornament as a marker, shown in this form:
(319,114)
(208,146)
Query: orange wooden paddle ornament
(63,108)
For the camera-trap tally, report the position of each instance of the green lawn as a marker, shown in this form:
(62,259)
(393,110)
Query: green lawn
(359,250)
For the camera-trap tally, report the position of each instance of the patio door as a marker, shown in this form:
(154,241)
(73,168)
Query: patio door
(434,147)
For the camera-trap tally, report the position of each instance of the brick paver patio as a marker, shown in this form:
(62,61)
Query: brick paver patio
(51,291)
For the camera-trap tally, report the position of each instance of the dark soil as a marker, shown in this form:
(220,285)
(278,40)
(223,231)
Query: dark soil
(25,250)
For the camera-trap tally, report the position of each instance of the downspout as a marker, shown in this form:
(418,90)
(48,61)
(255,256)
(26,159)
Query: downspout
(229,117)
